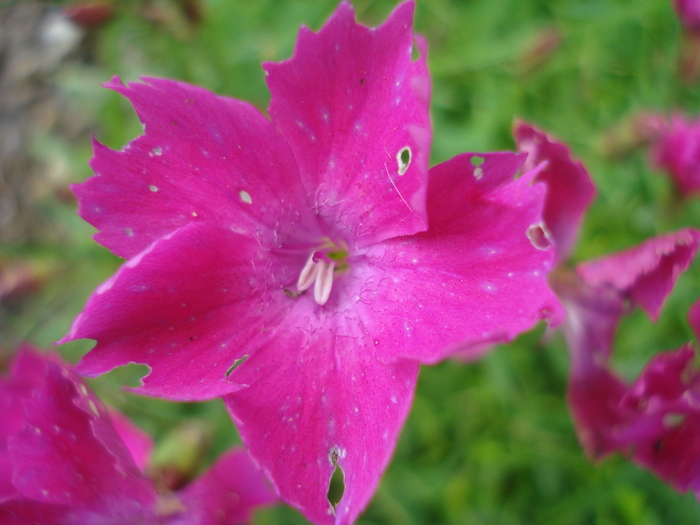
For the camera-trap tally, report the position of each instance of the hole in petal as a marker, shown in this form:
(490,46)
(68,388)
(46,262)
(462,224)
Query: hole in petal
(477,161)
(403,157)
(238,362)
(415,52)
(336,485)
(538,236)
(672,420)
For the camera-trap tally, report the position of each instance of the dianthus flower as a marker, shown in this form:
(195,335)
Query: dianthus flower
(66,460)
(304,267)
(656,419)
(677,152)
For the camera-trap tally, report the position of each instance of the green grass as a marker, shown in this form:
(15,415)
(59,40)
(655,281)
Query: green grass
(489,442)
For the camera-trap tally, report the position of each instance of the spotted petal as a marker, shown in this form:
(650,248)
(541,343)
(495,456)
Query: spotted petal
(474,277)
(69,454)
(318,398)
(353,104)
(202,158)
(189,306)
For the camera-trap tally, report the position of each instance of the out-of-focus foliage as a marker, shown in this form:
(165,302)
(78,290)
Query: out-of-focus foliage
(489,442)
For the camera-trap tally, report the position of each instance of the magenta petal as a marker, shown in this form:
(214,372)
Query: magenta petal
(69,454)
(138,442)
(28,372)
(25,511)
(645,273)
(202,291)
(202,158)
(476,276)
(570,190)
(353,105)
(662,423)
(318,397)
(227,493)
(689,13)
(594,392)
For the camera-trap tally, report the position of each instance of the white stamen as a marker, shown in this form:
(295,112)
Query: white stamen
(324,282)
(307,277)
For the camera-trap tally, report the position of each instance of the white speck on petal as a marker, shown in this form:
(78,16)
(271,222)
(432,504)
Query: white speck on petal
(245,197)
(478,173)
(93,407)
(153,188)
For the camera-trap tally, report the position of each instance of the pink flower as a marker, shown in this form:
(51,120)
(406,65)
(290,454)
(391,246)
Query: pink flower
(64,461)
(304,267)
(656,420)
(677,151)
(657,417)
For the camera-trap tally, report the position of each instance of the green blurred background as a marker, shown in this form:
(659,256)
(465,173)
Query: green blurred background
(486,443)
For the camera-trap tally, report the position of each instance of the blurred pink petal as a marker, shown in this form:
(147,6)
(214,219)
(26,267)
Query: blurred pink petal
(677,152)
(67,452)
(570,189)
(138,442)
(65,461)
(227,493)
(656,419)
(689,13)
(645,273)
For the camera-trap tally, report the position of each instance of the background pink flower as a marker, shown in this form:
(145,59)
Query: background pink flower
(654,419)
(677,152)
(64,460)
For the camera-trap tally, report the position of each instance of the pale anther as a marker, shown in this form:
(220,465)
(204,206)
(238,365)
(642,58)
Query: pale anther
(307,277)
(324,282)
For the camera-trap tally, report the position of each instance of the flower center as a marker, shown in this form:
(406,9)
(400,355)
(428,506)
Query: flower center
(319,271)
